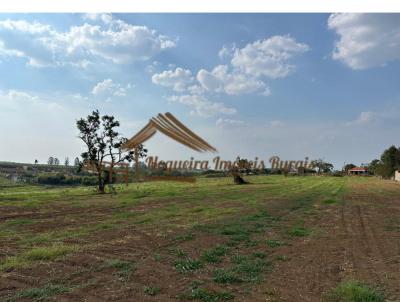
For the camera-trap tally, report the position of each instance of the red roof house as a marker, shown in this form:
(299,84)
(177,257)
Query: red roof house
(358,171)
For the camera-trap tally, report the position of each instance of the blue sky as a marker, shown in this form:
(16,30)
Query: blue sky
(292,85)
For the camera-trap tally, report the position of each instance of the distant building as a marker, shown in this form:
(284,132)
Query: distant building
(358,171)
(397,175)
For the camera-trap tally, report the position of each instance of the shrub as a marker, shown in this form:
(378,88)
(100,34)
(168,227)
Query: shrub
(60,179)
(354,291)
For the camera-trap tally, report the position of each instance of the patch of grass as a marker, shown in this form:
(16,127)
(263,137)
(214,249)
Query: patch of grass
(157,257)
(214,255)
(238,258)
(392,224)
(250,270)
(104,226)
(354,291)
(124,268)
(19,221)
(236,239)
(252,243)
(187,265)
(205,295)
(260,255)
(299,232)
(329,201)
(47,253)
(152,290)
(235,229)
(282,258)
(40,293)
(273,243)
(185,237)
(179,253)
(225,276)
(36,254)
(263,215)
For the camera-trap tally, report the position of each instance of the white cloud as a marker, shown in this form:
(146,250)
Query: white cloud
(225,122)
(276,124)
(266,92)
(110,88)
(20,95)
(178,79)
(366,40)
(195,89)
(365,117)
(106,18)
(202,106)
(269,57)
(151,68)
(243,74)
(42,45)
(226,52)
(233,83)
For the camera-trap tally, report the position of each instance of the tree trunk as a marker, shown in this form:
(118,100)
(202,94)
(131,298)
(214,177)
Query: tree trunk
(238,180)
(101,183)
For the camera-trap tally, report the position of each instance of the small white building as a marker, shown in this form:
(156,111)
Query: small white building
(397,175)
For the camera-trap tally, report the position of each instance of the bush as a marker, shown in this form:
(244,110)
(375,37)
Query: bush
(354,291)
(89,181)
(60,179)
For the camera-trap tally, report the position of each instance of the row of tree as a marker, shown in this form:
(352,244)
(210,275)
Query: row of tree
(55,161)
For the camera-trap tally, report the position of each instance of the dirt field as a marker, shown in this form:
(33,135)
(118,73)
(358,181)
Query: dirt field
(276,239)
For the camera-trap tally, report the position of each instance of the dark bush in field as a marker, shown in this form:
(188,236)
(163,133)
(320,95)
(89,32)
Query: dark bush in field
(61,179)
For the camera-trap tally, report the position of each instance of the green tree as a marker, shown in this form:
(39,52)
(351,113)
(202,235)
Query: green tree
(348,167)
(103,143)
(322,166)
(66,161)
(56,161)
(373,166)
(390,162)
(50,161)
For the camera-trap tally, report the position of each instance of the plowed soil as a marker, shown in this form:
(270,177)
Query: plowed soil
(354,237)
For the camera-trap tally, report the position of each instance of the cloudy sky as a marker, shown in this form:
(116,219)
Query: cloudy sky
(292,85)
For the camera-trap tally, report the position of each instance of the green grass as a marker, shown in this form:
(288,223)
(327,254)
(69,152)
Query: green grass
(273,243)
(124,268)
(215,254)
(250,270)
(179,252)
(36,254)
(205,295)
(329,201)
(225,276)
(152,290)
(39,293)
(187,265)
(185,237)
(282,258)
(299,232)
(354,291)
(20,221)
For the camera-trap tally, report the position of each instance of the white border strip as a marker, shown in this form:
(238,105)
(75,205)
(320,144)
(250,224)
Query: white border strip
(170,6)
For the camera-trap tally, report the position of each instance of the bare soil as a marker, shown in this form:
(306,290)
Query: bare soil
(352,239)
